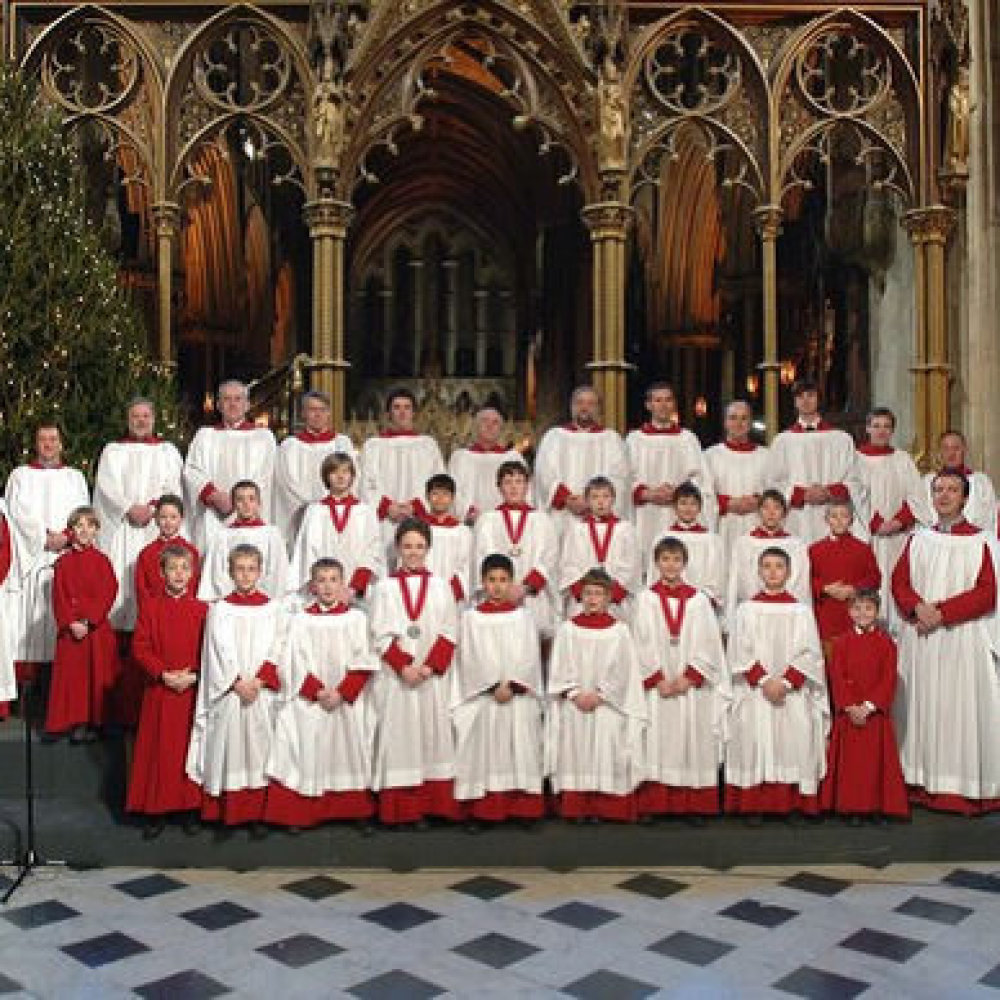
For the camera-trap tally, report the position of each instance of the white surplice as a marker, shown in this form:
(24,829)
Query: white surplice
(315,751)
(499,748)
(706,566)
(735,472)
(744,571)
(216,581)
(599,751)
(415,741)
(766,743)
(230,741)
(131,472)
(980,508)
(475,473)
(947,708)
(221,457)
(623,560)
(683,742)
(38,500)
(297,481)
(450,556)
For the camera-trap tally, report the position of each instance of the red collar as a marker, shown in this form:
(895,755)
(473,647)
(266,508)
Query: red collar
(348,501)
(514,506)
(153,439)
(962,527)
(403,573)
(45,468)
(820,425)
(80,549)
(254,600)
(495,607)
(594,621)
(783,598)
(392,432)
(651,428)
(255,522)
(682,590)
(875,450)
(604,519)
(308,437)
(963,469)
(177,539)
(338,609)
(244,425)
(439,520)
(488,449)
(577,429)
(746,446)
(761,532)
(840,539)
(696,528)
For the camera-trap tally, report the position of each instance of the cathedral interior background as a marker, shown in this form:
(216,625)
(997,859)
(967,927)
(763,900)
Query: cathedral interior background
(496,200)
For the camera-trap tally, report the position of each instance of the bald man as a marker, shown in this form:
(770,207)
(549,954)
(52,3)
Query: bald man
(474,468)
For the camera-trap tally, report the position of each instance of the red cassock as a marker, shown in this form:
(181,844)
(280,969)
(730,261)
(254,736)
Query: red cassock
(168,636)
(863,770)
(148,578)
(844,559)
(5,558)
(84,671)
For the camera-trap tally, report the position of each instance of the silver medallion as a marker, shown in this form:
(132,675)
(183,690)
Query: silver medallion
(675,640)
(413,631)
(515,550)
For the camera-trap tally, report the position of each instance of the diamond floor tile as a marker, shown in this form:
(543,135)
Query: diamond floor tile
(395,985)
(654,886)
(992,978)
(819,885)
(400,916)
(148,886)
(763,914)
(485,887)
(105,949)
(881,944)
(816,984)
(300,950)
(963,878)
(582,916)
(187,985)
(8,985)
(934,909)
(40,914)
(606,985)
(496,950)
(317,887)
(218,916)
(691,948)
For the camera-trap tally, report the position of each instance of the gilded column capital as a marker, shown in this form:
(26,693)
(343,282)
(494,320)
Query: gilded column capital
(931,224)
(607,219)
(767,220)
(328,217)
(166,217)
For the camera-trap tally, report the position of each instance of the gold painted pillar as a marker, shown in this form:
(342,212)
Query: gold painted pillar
(768,220)
(328,220)
(166,219)
(929,229)
(608,225)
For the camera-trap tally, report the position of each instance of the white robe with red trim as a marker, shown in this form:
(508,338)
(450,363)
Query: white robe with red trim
(475,475)
(297,481)
(706,566)
(736,473)
(315,751)
(744,572)
(947,709)
(414,740)
(222,457)
(623,562)
(128,473)
(683,742)
(776,744)
(358,547)
(538,552)
(499,748)
(568,458)
(655,459)
(450,557)
(38,501)
(215,579)
(599,751)
(819,458)
(230,741)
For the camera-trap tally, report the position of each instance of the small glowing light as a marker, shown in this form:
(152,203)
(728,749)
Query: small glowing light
(753,384)
(788,372)
(701,407)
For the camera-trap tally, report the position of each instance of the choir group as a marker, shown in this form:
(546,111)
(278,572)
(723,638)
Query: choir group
(303,634)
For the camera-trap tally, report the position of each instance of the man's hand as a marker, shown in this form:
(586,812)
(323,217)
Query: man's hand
(887,528)
(139,515)
(517,593)
(247,690)
(503,693)
(858,714)
(666,688)
(816,495)
(682,685)
(79,630)
(839,591)
(774,690)
(330,698)
(928,618)
(398,512)
(221,503)
(173,679)
(576,504)
(55,541)
(413,675)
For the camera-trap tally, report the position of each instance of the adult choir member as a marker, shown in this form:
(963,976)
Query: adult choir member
(474,469)
(953,456)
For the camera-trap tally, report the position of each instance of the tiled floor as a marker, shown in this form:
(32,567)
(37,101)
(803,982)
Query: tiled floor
(824,932)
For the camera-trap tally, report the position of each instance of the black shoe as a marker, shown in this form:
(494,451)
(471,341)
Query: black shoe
(79,735)
(192,825)
(153,828)
(258,831)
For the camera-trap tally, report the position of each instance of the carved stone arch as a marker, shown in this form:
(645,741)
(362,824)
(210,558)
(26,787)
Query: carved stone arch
(886,111)
(127,112)
(277,105)
(388,90)
(728,105)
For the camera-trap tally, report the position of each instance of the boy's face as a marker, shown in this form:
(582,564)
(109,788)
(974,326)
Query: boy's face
(401,413)
(807,403)
(838,520)
(738,420)
(514,488)
(496,584)
(339,480)
(671,566)
(773,573)
(246,573)
(880,431)
(601,501)
(325,584)
(440,500)
(85,531)
(863,612)
(168,520)
(413,550)
(177,574)
(772,515)
(246,503)
(662,406)
(948,496)
(595,599)
(688,509)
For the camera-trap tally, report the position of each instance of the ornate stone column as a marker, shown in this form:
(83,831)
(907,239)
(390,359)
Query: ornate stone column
(167,220)
(929,229)
(608,224)
(768,220)
(328,220)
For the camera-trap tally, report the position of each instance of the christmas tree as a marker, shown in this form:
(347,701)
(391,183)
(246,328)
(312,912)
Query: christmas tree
(72,347)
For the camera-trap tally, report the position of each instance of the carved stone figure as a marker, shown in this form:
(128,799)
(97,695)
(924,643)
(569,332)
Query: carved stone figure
(956,151)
